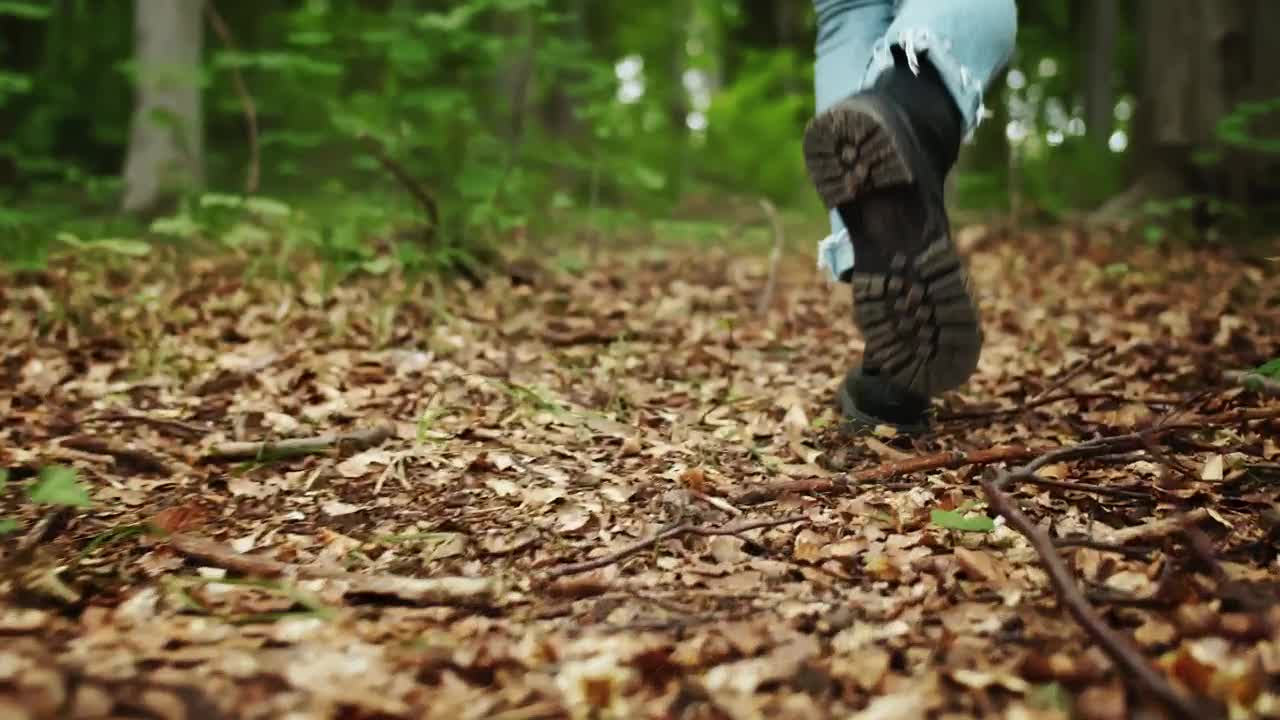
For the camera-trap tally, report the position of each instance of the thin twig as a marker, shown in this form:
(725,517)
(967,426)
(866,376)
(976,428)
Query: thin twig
(937,461)
(1169,464)
(775,256)
(1119,648)
(274,450)
(412,186)
(253,172)
(1202,548)
(666,533)
(1016,453)
(176,427)
(1158,528)
(431,591)
(1073,373)
(1088,487)
(1066,543)
(1049,400)
(139,459)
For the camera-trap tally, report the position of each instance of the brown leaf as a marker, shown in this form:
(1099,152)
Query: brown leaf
(982,566)
(1103,702)
(502,544)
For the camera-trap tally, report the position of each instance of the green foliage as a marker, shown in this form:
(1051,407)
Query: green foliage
(1270,369)
(1235,128)
(961,521)
(55,485)
(753,140)
(509,114)
(59,485)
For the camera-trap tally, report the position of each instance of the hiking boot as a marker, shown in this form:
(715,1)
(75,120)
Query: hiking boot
(880,158)
(866,401)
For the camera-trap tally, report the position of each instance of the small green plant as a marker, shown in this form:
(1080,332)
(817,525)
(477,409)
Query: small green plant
(55,485)
(960,520)
(1270,368)
(1234,127)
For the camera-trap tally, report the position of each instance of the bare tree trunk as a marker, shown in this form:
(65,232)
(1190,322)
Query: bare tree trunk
(516,72)
(1099,47)
(166,140)
(1187,82)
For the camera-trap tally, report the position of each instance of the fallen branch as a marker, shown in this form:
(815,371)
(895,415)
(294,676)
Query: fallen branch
(1067,543)
(664,534)
(246,100)
(412,186)
(1119,648)
(938,461)
(1073,373)
(427,591)
(1049,400)
(138,459)
(176,427)
(277,449)
(1254,381)
(1040,456)
(1089,488)
(775,256)
(1158,528)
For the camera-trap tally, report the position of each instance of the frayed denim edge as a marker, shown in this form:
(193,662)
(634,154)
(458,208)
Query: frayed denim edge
(966,90)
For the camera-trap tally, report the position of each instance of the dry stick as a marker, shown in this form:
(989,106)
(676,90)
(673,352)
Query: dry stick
(775,256)
(1119,648)
(176,427)
(433,591)
(1088,487)
(412,186)
(246,100)
(1051,399)
(1073,373)
(1253,380)
(261,450)
(1169,463)
(1016,453)
(664,534)
(140,459)
(937,461)
(1158,528)
(1066,543)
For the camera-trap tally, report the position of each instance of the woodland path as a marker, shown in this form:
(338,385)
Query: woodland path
(620,489)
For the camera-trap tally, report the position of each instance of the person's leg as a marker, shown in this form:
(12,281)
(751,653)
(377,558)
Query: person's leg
(849,31)
(967,41)
(879,159)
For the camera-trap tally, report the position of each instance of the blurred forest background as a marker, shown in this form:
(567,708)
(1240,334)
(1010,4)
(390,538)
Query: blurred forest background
(356,128)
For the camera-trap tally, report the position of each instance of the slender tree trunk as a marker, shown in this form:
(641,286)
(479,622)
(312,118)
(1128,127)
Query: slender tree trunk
(166,141)
(677,100)
(1099,47)
(516,74)
(1188,79)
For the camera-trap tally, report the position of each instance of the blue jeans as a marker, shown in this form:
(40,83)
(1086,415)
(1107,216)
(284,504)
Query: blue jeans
(967,41)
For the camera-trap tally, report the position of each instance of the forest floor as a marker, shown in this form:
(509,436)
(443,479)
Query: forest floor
(617,491)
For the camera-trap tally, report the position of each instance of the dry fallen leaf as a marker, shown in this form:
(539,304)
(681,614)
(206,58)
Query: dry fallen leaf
(1213,468)
(560,417)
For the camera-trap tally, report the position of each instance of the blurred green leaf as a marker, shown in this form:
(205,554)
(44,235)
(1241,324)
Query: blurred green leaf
(59,485)
(953,520)
(25,10)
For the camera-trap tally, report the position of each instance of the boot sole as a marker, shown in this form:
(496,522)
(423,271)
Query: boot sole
(912,302)
(857,422)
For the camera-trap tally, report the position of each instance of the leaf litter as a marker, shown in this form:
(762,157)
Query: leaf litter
(531,500)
